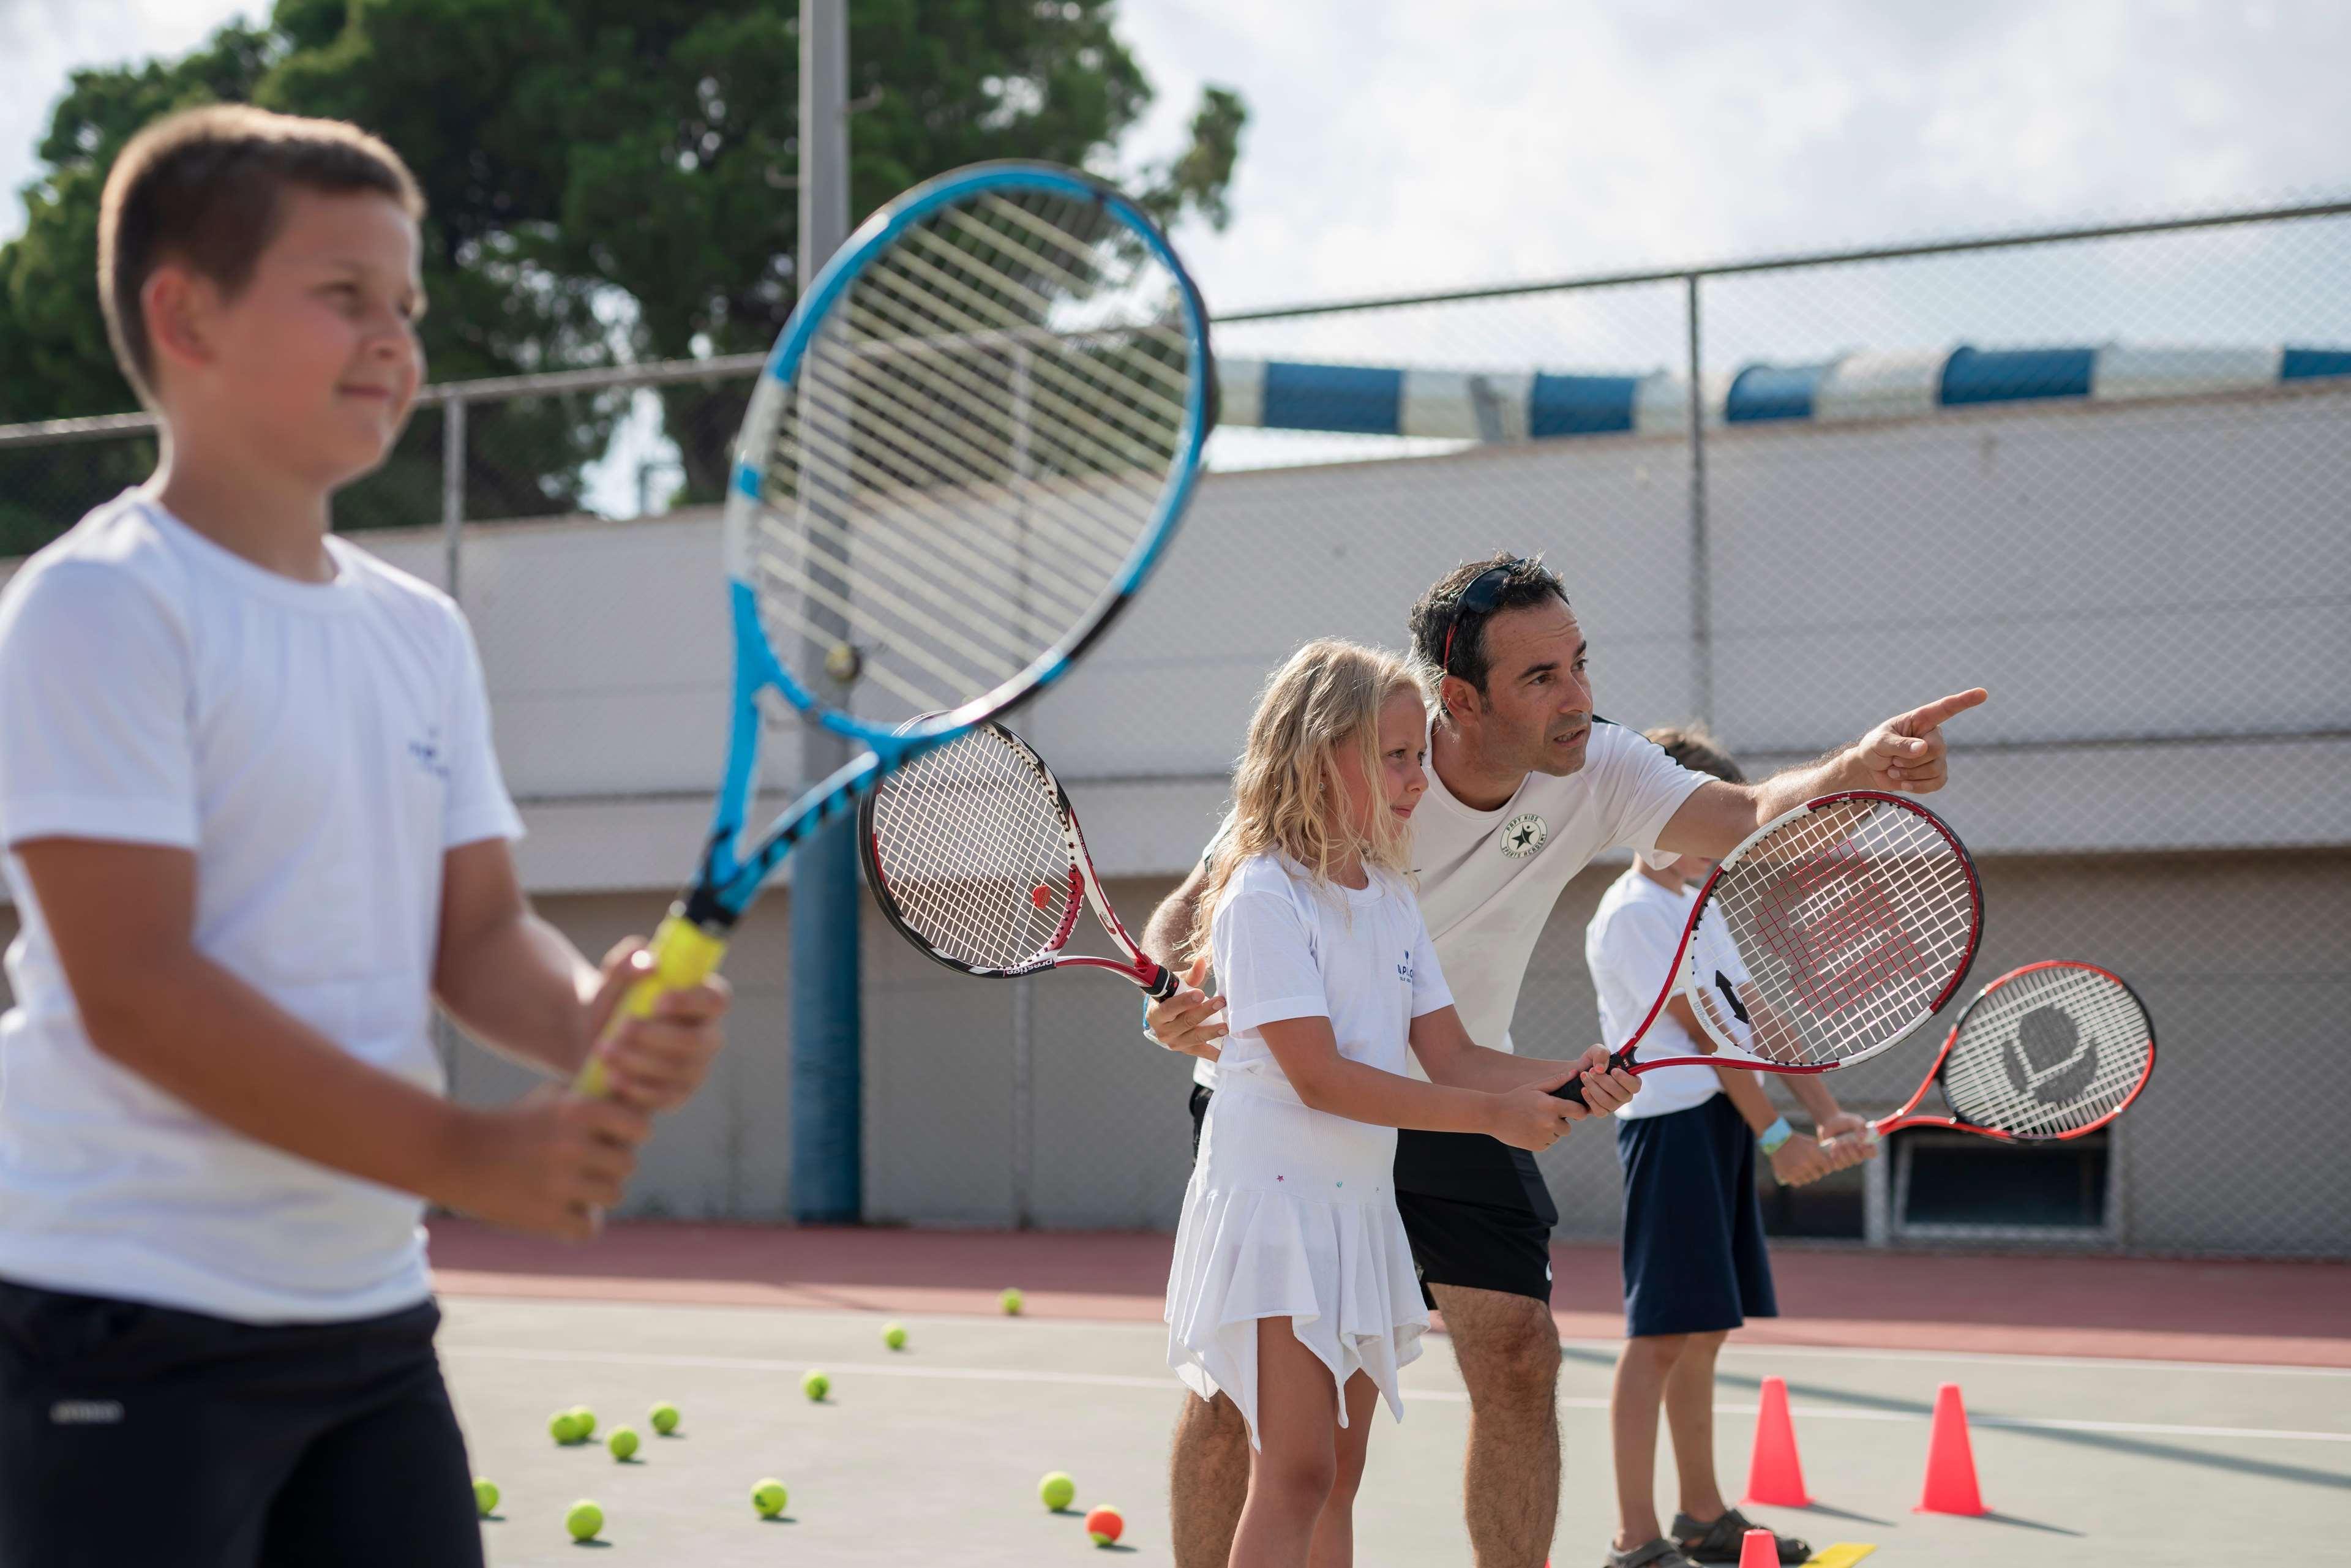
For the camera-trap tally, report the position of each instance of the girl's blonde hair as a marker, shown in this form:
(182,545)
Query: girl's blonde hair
(1321,704)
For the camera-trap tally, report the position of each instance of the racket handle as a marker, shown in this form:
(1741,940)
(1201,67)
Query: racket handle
(684,955)
(1572,1090)
(1163,984)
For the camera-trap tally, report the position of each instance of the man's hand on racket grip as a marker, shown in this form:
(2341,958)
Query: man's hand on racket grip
(656,1063)
(551,1163)
(1190,1021)
(1907,752)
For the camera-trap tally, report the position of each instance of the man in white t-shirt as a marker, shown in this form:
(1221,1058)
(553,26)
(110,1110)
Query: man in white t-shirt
(1527,785)
(1694,1262)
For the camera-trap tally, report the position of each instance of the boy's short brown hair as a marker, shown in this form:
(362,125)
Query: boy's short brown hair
(1693,748)
(201,187)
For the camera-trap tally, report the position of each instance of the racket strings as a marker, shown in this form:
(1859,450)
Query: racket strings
(2050,1051)
(983,428)
(972,854)
(1852,922)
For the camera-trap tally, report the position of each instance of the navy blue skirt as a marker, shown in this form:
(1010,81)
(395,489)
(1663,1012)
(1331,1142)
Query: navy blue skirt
(1694,1255)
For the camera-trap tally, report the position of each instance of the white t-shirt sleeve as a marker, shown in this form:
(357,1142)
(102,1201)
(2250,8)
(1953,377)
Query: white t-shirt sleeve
(1429,992)
(1265,962)
(477,805)
(95,737)
(1644,789)
(1628,950)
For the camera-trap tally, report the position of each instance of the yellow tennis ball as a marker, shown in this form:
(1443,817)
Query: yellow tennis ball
(486,1496)
(584,1423)
(770,1497)
(894,1335)
(816,1385)
(562,1428)
(663,1417)
(622,1442)
(1057,1490)
(1011,1299)
(584,1520)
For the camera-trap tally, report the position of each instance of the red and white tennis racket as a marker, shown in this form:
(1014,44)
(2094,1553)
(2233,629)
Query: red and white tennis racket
(2051,1051)
(1853,918)
(974,853)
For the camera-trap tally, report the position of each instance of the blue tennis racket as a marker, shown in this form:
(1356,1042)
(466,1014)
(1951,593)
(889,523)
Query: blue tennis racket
(968,449)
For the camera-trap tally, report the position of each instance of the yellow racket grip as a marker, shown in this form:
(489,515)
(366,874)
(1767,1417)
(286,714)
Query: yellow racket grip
(684,955)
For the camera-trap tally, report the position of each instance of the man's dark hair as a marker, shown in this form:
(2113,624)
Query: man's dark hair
(201,188)
(1440,612)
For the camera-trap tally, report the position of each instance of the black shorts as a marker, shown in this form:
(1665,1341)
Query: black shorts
(1695,1261)
(135,1434)
(1475,1210)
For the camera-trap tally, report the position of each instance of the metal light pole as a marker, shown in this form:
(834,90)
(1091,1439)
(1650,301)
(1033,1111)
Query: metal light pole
(828,1087)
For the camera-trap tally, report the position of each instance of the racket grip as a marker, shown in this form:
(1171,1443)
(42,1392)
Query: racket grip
(684,955)
(1164,984)
(1571,1090)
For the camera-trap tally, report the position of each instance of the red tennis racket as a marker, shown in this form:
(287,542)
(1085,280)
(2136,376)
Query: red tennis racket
(974,853)
(1850,920)
(2048,1052)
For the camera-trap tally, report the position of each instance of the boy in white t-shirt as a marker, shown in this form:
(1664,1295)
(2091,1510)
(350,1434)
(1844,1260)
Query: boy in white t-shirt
(254,827)
(1695,1261)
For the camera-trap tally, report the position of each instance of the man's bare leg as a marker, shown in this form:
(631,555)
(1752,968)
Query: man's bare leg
(1508,1351)
(1207,1481)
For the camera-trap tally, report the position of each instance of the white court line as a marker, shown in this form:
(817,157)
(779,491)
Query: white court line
(1436,1396)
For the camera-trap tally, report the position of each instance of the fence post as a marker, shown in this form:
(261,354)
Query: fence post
(1701,581)
(453,534)
(1024,1105)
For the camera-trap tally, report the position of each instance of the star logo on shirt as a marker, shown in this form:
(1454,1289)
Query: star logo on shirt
(1523,834)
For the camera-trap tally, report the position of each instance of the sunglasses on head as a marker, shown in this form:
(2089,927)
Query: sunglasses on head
(1484,592)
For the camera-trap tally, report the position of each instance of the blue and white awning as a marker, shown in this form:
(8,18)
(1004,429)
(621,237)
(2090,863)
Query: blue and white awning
(1277,394)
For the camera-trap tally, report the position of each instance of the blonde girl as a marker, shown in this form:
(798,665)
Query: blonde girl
(1293,1290)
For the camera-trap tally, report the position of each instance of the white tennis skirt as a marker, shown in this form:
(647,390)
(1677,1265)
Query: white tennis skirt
(1290,1213)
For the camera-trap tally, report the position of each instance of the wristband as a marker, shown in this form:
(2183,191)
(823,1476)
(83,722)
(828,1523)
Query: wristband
(1146,1024)
(1772,1137)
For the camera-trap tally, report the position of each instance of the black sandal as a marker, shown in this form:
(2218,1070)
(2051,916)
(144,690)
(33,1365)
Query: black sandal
(1721,1542)
(1658,1553)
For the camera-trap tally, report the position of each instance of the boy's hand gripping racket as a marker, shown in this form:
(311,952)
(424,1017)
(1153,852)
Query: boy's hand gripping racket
(974,853)
(2048,1052)
(967,451)
(1854,917)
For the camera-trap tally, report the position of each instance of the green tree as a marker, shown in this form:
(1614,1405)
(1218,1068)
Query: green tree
(608,179)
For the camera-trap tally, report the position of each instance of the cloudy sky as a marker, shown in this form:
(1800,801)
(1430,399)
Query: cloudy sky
(1398,144)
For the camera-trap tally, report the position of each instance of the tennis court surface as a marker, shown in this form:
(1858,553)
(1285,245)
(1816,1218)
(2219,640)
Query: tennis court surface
(2122,1411)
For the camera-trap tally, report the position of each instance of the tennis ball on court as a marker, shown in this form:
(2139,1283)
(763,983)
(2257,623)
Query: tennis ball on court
(1057,1490)
(663,1417)
(622,1442)
(562,1428)
(816,1385)
(486,1496)
(894,1335)
(584,1520)
(770,1497)
(584,1423)
(1105,1525)
(1011,1299)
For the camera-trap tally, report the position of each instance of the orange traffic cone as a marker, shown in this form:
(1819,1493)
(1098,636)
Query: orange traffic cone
(1759,1548)
(1950,1461)
(1775,1475)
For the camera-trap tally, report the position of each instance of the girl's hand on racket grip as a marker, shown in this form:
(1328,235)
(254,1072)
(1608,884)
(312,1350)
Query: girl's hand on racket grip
(549,1164)
(1533,1117)
(1595,1085)
(1186,1022)
(1907,752)
(655,1063)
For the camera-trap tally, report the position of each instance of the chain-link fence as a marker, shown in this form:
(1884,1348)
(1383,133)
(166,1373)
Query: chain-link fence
(2104,473)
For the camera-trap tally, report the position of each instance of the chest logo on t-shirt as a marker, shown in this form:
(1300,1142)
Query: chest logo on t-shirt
(1523,834)
(1404,970)
(428,755)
